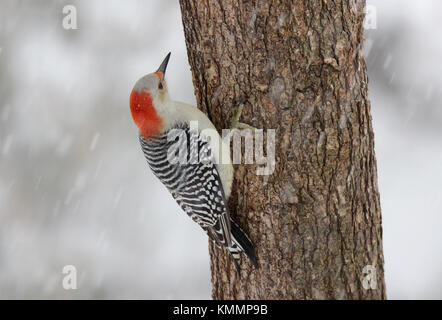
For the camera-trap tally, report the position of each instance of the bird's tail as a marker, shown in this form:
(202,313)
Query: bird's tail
(241,243)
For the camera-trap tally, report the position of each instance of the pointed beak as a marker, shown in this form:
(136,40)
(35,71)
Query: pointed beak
(163,65)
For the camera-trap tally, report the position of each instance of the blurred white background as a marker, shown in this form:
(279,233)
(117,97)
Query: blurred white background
(76,190)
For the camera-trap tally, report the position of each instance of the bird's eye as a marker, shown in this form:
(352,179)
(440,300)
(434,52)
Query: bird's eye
(160,86)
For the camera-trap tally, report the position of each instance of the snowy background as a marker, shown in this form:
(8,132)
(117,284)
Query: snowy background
(75,188)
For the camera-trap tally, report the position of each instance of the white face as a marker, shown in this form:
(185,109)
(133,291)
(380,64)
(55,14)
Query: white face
(148,83)
(154,84)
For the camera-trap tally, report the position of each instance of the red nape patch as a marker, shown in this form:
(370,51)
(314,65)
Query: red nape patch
(144,114)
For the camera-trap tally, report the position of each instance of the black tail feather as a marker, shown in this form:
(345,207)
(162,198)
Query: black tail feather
(244,242)
(235,259)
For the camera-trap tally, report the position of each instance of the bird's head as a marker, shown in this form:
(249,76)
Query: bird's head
(146,100)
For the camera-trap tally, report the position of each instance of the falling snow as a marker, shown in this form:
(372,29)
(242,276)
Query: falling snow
(94,141)
(74,185)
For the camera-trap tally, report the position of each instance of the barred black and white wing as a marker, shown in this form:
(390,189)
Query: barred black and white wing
(183,161)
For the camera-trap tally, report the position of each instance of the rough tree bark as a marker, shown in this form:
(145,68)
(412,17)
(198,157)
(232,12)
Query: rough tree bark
(316,221)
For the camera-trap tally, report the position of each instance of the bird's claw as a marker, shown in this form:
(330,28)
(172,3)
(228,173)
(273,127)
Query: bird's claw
(236,124)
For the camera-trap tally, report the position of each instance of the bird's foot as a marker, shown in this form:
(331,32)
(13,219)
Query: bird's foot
(236,124)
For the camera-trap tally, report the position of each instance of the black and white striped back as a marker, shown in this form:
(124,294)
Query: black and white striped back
(182,160)
(190,174)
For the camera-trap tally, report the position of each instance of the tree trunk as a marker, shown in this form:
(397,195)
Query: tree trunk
(316,221)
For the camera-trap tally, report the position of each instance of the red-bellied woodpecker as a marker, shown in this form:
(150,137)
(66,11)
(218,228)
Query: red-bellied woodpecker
(201,184)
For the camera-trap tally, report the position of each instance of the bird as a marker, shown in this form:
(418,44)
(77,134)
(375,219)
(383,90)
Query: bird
(201,181)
